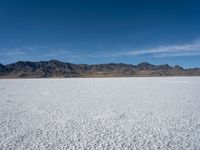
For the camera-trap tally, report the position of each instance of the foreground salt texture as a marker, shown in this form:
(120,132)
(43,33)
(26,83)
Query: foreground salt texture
(111,113)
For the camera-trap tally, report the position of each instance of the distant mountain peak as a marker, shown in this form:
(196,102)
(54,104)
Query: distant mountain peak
(3,69)
(145,63)
(55,61)
(56,68)
(178,67)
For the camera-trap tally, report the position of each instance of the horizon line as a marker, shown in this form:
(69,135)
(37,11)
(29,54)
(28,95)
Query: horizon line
(142,62)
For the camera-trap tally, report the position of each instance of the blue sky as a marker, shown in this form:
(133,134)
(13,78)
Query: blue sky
(101,31)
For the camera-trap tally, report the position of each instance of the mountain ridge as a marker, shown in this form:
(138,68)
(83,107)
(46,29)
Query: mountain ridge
(55,68)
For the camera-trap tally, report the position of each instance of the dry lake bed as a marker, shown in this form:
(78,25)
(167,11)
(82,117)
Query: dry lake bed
(100,113)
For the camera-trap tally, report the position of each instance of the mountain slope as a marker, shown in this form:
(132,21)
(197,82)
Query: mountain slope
(55,68)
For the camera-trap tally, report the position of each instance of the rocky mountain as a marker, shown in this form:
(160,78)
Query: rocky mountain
(55,68)
(3,70)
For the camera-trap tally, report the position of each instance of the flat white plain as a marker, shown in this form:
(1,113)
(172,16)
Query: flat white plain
(100,113)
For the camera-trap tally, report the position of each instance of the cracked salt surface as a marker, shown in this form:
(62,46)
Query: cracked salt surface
(100,113)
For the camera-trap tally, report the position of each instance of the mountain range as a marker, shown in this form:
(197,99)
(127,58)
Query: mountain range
(58,69)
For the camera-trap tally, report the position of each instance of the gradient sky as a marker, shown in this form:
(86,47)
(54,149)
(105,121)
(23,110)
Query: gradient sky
(101,31)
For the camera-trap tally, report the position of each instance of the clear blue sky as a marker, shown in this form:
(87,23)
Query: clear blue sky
(101,31)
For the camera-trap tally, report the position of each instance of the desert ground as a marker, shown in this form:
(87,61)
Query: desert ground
(100,113)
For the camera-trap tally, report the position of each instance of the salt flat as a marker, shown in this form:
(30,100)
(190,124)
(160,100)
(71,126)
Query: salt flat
(100,113)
